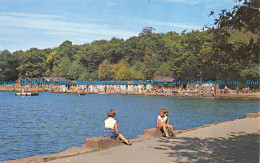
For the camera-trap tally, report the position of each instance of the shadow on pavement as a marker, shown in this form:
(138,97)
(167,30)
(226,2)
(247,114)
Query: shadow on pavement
(237,148)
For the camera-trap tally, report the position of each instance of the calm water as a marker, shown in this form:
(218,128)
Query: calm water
(52,122)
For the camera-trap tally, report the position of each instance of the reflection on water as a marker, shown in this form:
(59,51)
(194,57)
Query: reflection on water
(52,122)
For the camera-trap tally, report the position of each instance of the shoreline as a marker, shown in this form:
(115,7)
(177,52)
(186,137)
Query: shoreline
(217,96)
(88,147)
(232,141)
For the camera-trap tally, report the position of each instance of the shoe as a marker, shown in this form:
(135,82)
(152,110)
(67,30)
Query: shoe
(172,135)
(129,143)
(168,136)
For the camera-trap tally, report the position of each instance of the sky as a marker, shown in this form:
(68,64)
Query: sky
(41,24)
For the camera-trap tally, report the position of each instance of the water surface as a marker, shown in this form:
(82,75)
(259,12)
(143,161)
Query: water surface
(52,122)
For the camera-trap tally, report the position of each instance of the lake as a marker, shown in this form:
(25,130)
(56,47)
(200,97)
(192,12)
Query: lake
(52,122)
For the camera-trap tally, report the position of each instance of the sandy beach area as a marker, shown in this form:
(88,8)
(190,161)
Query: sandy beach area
(231,141)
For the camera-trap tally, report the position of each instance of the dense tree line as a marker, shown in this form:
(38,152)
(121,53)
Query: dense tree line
(227,51)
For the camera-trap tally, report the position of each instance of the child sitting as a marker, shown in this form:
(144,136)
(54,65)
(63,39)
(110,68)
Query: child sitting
(167,120)
(161,122)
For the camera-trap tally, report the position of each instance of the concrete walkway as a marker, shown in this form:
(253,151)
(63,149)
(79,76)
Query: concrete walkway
(232,141)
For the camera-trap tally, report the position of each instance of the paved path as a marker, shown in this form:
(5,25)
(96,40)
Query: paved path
(232,141)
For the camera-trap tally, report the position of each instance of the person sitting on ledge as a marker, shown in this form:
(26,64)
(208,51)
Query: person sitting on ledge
(161,122)
(111,129)
(167,120)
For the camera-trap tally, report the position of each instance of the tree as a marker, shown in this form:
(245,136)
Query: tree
(241,17)
(105,71)
(8,66)
(76,70)
(147,31)
(152,63)
(62,68)
(114,50)
(198,46)
(164,70)
(61,58)
(94,55)
(138,70)
(66,49)
(236,41)
(49,60)
(122,71)
(32,63)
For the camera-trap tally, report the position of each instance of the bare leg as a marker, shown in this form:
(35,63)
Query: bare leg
(164,129)
(171,128)
(163,126)
(123,138)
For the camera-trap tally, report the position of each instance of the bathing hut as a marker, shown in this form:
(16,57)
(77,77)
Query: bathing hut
(162,82)
(130,87)
(57,87)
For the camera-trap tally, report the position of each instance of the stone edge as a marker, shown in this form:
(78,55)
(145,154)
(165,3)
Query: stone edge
(95,146)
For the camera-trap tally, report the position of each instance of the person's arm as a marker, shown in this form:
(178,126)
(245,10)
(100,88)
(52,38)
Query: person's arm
(159,121)
(167,121)
(116,129)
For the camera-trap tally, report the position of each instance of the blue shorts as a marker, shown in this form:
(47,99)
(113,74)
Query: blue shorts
(108,132)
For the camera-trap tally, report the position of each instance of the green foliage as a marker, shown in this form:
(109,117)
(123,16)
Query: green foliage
(164,70)
(75,71)
(147,31)
(66,49)
(50,57)
(85,76)
(8,66)
(105,71)
(198,48)
(122,71)
(236,41)
(32,63)
(63,68)
(227,51)
(152,63)
(251,73)
(114,50)
(138,70)
(93,75)
(241,17)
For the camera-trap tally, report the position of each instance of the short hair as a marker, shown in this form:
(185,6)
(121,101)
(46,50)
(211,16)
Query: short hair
(166,110)
(111,113)
(163,110)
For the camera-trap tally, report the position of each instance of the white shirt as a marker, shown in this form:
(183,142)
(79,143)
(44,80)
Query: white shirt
(110,123)
(161,119)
